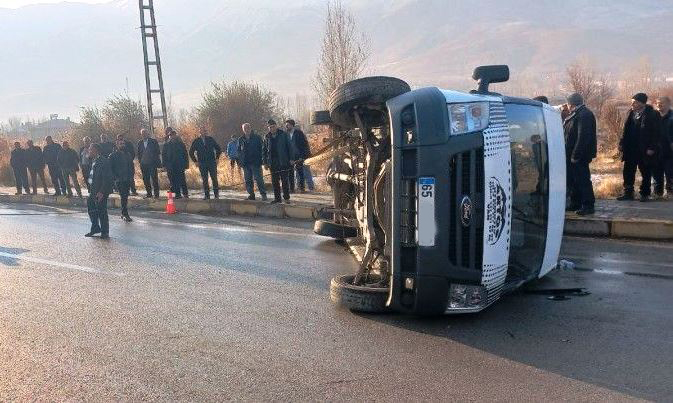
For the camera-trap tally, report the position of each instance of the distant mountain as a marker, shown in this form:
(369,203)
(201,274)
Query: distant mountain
(58,57)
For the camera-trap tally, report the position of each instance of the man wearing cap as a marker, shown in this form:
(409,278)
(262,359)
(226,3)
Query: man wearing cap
(580,136)
(640,146)
(278,158)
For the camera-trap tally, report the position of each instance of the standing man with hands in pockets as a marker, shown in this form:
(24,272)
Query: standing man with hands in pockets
(205,152)
(149,156)
(100,187)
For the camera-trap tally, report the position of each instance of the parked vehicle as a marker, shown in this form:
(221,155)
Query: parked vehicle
(456,197)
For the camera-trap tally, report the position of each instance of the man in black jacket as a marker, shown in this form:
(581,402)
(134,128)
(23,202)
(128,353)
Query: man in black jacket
(205,152)
(279,159)
(100,187)
(131,151)
(84,161)
(250,147)
(68,160)
(51,152)
(121,166)
(149,156)
(19,163)
(176,161)
(301,151)
(580,137)
(664,171)
(640,146)
(36,166)
(106,146)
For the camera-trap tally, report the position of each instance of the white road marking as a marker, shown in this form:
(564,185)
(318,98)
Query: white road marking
(57,264)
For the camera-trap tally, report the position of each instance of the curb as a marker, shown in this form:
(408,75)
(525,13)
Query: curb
(658,230)
(220,207)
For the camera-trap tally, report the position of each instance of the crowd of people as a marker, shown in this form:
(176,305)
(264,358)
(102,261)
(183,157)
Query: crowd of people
(646,145)
(108,167)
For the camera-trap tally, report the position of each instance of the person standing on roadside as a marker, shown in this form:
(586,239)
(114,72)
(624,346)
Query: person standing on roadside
(205,152)
(301,150)
(665,169)
(121,166)
(106,146)
(68,160)
(232,154)
(278,157)
(580,136)
(36,166)
(250,147)
(51,152)
(176,161)
(84,161)
(149,156)
(131,151)
(18,160)
(100,185)
(640,146)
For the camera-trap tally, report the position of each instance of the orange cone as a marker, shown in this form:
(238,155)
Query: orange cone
(170,206)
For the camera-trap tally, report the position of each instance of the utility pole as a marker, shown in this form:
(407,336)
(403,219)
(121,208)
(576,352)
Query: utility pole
(148,29)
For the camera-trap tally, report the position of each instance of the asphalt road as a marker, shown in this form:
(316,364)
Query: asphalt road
(194,308)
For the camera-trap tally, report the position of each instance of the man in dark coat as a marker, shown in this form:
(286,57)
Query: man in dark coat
(640,146)
(68,160)
(302,151)
(279,159)
(121,166)
(176,161)
(205,152)
(250,147)
(51,152)
(100,187)
(665,169)
(131,151)
(36,166)
(18,160)
(106,146)
(580,137)
(149,156)
(84,161)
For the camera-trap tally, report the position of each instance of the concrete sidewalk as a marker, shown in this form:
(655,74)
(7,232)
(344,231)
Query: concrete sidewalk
(613,219)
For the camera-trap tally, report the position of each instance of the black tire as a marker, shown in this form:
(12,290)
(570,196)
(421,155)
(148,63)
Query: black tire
(363,92)
(343,293)
(321,118)
(334,230)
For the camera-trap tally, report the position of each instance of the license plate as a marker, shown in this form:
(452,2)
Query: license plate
(426,227)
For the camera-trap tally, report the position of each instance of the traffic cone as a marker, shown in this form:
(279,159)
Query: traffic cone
(170,206)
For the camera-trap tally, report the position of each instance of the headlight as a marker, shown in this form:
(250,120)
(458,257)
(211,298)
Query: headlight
(467,118)
(466,296)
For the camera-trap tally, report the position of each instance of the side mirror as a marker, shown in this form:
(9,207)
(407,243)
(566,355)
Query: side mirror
(485,75)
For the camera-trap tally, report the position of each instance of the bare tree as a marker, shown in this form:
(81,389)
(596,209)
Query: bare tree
(596,88)
(344,51)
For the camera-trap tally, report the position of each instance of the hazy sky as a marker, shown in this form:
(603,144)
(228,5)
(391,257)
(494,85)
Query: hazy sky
(19,3)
